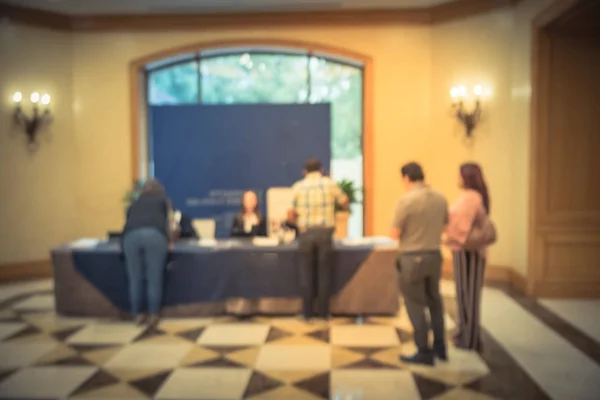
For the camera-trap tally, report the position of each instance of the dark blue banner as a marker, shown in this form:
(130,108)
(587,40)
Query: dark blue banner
(208,155)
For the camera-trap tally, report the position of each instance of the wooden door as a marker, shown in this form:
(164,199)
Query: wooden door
(565,207)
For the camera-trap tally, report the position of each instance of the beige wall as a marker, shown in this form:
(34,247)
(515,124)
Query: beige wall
(414,69)
(521,75)
(493,49)
(463,57)
(38,203)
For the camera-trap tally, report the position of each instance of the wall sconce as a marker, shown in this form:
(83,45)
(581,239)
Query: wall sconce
(468,119)
(40,119)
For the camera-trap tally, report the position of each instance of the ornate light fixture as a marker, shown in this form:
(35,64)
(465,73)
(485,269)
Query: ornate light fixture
(468,119)
(38,120)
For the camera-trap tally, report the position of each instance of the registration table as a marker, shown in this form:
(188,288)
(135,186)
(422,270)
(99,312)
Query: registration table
(226,277)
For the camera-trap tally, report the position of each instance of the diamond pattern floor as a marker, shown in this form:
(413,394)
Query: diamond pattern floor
(43,355)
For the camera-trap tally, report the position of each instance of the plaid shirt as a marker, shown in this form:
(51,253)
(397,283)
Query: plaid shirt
(314,199)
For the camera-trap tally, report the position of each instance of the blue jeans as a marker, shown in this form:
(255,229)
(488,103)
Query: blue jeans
(146,251)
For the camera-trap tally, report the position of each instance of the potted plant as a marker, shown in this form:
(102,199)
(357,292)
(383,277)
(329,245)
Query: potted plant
(133,193)
(341,214)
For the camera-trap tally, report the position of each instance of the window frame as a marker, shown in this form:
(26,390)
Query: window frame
(213,53)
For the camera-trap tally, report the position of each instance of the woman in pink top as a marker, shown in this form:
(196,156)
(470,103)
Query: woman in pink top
(469,265)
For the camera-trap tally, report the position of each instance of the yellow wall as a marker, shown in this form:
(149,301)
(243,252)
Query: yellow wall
(462,57)
(87,164)
(521,116)
(38,202)
(493,49)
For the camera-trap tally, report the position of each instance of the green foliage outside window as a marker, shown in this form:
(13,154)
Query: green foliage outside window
(133,193)
(256,78)
(270,78)
(176,84)
(340,85)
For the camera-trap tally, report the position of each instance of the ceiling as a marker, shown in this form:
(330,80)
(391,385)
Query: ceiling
(81,7)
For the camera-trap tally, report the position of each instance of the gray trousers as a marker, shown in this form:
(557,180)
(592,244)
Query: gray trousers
(316,264)
(420,274)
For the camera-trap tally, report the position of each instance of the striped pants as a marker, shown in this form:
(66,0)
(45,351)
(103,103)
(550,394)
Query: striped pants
(469,270)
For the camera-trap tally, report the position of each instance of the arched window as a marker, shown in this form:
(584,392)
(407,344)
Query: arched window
(273,75)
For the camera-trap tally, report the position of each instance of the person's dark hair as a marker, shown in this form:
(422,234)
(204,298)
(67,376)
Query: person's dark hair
(413,172)
(153,186)
(256,209)
(472,178)
(313,165)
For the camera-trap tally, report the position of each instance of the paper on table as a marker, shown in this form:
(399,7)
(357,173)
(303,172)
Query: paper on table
(207,242)
(279,201)
(265,242)
(383,240)
(85,243)
(376,240)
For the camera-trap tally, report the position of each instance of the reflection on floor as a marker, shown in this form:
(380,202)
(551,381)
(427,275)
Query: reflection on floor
(577,313)
(46,356)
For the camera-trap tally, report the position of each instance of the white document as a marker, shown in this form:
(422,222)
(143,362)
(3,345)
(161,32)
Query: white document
(375,240)
(279,201)
(207,243)
(265,242)
(85,243)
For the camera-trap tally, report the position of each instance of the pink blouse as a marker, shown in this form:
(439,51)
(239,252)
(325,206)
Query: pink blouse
(467,209)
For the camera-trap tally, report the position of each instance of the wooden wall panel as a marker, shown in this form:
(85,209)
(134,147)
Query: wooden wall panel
(558,289)
(25,270)
(571,256)
(573,141)
(565,248)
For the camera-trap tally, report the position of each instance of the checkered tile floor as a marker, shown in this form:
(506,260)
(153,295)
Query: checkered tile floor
(46,356)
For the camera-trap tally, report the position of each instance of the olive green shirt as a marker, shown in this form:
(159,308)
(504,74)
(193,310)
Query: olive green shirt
(421,215)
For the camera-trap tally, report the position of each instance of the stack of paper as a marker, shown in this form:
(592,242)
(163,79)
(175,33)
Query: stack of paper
(378,240)
(207,242)
(265,242)
(85,243)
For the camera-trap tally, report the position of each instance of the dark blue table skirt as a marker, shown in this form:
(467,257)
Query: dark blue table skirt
(212,274)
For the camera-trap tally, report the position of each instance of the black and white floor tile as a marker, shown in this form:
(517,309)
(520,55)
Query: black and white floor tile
(45,356)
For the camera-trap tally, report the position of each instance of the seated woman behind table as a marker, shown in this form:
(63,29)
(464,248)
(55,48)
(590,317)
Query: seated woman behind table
(249,223)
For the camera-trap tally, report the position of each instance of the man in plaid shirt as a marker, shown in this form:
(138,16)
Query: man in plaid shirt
(314,201)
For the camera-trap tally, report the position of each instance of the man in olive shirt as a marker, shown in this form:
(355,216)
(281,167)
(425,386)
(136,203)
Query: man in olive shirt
(419,220)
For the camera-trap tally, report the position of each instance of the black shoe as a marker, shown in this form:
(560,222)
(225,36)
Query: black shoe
(440,352)
(141,320)
(479,347)
(421,357)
